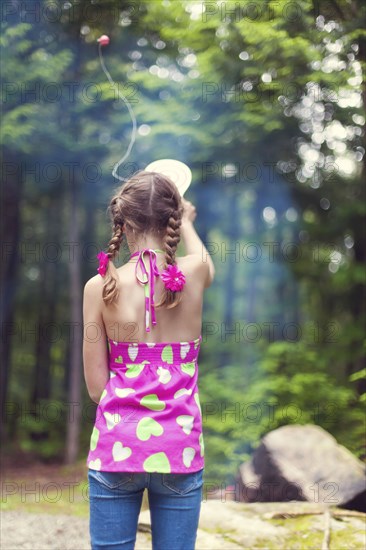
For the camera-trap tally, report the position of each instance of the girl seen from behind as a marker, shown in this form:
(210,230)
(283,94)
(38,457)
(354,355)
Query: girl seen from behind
(142,337)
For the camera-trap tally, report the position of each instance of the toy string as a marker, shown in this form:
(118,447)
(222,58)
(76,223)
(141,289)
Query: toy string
(132,115)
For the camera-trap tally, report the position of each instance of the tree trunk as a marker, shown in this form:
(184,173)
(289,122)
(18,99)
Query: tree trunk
(74,183)
(11,192)
(76,341)
(49,290)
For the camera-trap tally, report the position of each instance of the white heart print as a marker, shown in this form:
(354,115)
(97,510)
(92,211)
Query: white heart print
(95,464)
(112,419)
(181,392)
(133,351)
(184,349)
(164,375)
(123,392)
(186,422)
(120,452)
(188,456)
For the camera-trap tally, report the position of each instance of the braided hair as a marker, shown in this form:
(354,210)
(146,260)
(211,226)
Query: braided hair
(110,287)
(171,241)
(147,202)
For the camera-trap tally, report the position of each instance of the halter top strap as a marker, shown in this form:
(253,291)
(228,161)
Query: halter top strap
(148,280)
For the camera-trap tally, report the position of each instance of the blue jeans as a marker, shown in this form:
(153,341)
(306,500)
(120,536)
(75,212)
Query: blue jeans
(115,502)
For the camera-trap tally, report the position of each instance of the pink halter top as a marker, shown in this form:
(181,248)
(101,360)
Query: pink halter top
(149,416)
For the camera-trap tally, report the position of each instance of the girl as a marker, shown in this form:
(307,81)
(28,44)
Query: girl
(142,336)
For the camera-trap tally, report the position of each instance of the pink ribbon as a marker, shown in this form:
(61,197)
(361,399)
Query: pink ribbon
(148,282)
(103,263)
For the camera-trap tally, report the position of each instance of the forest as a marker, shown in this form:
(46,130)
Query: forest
(265,102)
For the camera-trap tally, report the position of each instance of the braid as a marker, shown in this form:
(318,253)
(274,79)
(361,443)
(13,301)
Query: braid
(172,237)
(110,288)
(115,243)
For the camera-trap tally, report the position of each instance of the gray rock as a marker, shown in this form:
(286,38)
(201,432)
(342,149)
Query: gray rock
(303,463)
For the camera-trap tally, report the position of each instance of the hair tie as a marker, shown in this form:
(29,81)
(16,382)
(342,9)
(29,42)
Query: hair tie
(103,263)
(173,278)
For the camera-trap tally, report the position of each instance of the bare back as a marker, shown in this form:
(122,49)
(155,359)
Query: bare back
(124,321)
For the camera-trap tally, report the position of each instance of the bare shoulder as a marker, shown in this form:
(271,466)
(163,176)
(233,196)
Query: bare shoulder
(194,263)
(193,260)
(93,287)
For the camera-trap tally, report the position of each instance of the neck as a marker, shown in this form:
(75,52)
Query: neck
(147,243)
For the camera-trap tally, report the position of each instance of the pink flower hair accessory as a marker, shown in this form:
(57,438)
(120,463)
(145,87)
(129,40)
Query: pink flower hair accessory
(103,263)
(173,278)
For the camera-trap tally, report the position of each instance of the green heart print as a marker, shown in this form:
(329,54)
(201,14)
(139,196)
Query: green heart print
(151,401)
(94,439)
(134,370)
(189,368)
(147,427)
(202,444)
(157,462)
(167,355)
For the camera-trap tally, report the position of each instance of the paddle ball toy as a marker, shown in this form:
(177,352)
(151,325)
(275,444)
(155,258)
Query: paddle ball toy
(176,170)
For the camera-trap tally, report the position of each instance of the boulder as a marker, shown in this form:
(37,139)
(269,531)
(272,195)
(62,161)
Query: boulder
(303,463)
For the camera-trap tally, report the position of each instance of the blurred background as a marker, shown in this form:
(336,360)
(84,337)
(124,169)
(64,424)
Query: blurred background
(265,101)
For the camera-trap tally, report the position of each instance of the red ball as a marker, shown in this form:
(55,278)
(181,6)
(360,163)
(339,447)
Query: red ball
(103,40)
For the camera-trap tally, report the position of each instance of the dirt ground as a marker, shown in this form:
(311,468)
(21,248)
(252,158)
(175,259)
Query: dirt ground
(222,526)
(35,516)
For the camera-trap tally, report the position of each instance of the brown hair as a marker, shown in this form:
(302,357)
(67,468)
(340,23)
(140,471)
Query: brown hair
(147,202)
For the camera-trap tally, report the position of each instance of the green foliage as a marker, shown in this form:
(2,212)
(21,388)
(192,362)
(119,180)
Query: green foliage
(27,72)
(291,384)
(294,101)
(357,377)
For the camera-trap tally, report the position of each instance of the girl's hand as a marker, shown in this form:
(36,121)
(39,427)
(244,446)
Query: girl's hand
(189,212)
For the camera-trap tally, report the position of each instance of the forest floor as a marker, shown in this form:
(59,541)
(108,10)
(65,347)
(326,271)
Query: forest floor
(46,507)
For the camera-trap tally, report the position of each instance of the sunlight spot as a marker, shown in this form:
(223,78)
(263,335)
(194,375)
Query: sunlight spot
(163,73)
(346,166)
(244,55)
(324,203)
(291,214)
(135,55)
(196,10)
(229,170)
(189,60)
(160,45)
(153,69)
(177,76)
(144,130)
(269,214)
(33,273)
(266,77)
(333,268)
(348,241)
(247,86)
(358,119)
